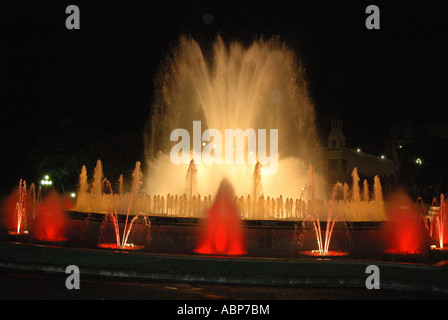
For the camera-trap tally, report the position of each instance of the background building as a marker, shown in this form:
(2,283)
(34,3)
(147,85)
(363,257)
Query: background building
(341,161)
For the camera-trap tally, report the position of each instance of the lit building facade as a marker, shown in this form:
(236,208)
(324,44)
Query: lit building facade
(340,160)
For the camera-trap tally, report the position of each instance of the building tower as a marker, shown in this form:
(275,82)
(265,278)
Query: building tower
(336,138)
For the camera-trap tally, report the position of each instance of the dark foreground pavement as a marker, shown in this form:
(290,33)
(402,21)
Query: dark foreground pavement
(26,285)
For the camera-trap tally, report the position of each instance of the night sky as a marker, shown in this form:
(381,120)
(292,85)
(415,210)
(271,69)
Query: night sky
(70,97)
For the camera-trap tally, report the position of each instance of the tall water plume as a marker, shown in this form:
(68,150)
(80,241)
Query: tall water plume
(261,86)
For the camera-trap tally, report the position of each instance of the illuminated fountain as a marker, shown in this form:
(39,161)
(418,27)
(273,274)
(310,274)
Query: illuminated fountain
(438,223)
(255,206)
(222,232)
(43,219)
(121,242)
(337,211)
(19,211)
(100,197)
(21,208)
(256,87)
(259,87)
(112,217)
(50,223)
(405,232)
(191,180)
(324,237)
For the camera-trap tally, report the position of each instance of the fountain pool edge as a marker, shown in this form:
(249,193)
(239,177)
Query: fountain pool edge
(224,270)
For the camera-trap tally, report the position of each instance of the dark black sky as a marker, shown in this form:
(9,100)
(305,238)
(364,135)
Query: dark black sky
(61,84)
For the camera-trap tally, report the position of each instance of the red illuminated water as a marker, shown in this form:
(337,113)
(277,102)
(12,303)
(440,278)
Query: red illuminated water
(50,224)
(9,209)
(324,237)
(16,207)
(405,231)
(222,233)
(121,243)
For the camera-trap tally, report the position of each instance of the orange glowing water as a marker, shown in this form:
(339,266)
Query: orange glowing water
(439,226)
(98,197)
(233,86)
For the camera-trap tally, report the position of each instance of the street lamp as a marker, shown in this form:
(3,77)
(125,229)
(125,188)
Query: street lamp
(46,181)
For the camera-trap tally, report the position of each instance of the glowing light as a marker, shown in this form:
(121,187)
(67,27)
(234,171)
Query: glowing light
(418,161)
(358,150)
(73,195)
(46,181)
(383,156)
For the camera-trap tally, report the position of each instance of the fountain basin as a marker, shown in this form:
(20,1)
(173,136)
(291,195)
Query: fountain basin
(18,236)
(399,256)
(320,254)
(438,254)
(127,247)
(60,242)
(223,270)
(264,238)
